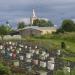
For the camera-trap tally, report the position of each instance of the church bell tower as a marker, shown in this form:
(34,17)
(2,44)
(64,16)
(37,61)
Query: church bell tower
(33,17)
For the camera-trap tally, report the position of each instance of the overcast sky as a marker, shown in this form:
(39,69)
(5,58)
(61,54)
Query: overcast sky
(55,10)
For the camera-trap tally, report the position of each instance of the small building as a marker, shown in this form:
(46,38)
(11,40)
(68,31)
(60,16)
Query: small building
(37,31)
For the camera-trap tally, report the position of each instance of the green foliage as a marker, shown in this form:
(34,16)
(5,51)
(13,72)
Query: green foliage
(68,25)
(4,30)
(68,36)
(21,25)
(42,23)
(50,24)
(4,70)
(63,46)
(73,71)
(59,72)
(60,30)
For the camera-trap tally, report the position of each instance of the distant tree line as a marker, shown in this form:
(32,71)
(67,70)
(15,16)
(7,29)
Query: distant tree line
(67,26)
(21,25)
(37,22)
(42,23)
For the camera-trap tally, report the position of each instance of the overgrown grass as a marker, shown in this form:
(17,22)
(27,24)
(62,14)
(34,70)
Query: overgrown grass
(68,38)
(51,42)
(55,40)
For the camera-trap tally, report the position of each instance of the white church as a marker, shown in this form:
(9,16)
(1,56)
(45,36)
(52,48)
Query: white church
(31,19)
(35,30)
(34,17)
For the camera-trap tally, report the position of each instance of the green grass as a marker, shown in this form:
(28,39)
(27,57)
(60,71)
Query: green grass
(54,41)
(69,59)
(51,42)
(57,43)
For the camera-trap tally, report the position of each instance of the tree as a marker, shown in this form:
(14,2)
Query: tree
(21,25)
(4,30)
(50,24)
(68,25)
(42,23)
(60,30)
(14,32)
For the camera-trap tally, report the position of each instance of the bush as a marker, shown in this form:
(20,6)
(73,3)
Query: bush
(68,25)
(4,70)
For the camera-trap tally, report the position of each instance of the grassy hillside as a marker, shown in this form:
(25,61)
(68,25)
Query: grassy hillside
(54,41)
(68,38)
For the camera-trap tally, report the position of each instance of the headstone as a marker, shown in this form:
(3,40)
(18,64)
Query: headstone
(58,52)
(36,47)
(20,49)
(28,55)
(35,62)
(16,63)
(52,59)
(50,65)
(10,42)
(43,64)
(43,53)
(21,57)
(37,51)
(26,46)
(11,47)
(33,51)
(10,54)
(1,46)
(29,60)
(3,51)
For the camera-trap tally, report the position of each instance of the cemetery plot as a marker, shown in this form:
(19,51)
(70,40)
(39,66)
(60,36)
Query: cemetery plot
(26,55)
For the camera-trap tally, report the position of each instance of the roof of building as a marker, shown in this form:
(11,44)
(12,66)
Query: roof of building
(38,28)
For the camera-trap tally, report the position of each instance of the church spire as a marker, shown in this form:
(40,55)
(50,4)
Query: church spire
(34,15)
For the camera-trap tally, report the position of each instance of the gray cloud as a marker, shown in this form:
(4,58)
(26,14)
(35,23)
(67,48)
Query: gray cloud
(55,10)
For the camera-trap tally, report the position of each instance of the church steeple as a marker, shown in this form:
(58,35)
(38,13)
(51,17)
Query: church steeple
(34,15)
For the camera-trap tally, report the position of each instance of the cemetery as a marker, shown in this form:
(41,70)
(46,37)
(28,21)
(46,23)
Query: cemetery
(24,56)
